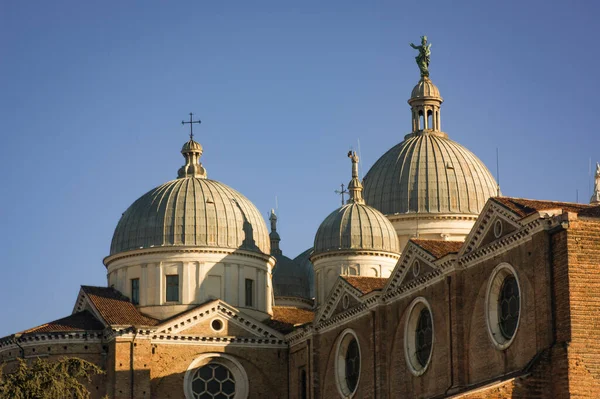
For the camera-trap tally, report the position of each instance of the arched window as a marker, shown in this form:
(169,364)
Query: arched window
(421,121)
(303,385)
(429,119)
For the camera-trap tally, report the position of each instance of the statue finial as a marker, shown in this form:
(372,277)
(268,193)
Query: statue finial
(355,186)
(596,196)
(424,56)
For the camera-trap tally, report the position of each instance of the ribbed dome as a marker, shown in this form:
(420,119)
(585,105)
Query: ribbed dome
(424,89)
(290,279)
(428,173)
(356,226)
(192,212)
(303,260)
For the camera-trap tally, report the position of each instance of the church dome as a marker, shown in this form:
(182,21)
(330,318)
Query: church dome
(429,173)
(356,225)
(191,211)
(303,260)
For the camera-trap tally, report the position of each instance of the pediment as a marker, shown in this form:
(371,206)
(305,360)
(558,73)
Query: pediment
(342,297)
(217,319)
(494,222)
(414,263)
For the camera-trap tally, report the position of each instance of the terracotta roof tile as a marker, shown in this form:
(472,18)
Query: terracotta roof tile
(80,321)
(115,308)
(593,212)
(366,284)
(525,207)
(439,248)
(285,318)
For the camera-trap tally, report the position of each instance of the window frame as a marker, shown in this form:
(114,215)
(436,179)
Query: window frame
(249,293)
(135,290)
(169,289)
(492,316)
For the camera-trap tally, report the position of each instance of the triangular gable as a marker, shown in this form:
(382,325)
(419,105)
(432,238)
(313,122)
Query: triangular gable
(413,257)
(343,296)
(196,321)
(483,233)
(111,307)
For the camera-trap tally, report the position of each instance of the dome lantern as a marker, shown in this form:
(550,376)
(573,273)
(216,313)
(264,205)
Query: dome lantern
(192,151)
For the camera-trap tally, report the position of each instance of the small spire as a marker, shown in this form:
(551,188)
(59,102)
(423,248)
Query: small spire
(274,236)
(192,151)
(595,200)
(355,187)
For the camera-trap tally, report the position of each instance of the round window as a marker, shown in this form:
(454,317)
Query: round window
(216,325)
(348,363)
(213,381)
(215,375)
(503,305)
(498,228)
(418,336)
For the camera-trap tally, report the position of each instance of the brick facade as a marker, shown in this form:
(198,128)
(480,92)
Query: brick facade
(555,352)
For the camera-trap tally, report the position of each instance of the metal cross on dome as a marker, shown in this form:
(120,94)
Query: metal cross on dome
(342,192)
(191,123)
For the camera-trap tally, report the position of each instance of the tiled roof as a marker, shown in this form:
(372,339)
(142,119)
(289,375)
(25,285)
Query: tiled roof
(115,308)
(593,212)
(439,248)
(80,321)
(525,207)
(286,318)
(366,284)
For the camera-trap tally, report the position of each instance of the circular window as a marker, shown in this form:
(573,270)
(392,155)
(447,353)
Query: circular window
(503,305)
(498,228)
(347,363)
(215,376)
(345,301)
(418,336)
(416,269)
(216,325)
(213,381)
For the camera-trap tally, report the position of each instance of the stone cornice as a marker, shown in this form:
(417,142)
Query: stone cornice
(188,250)
(353,252)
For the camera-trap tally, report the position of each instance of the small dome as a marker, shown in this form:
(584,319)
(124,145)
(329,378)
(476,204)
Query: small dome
(429,173)
(356,226)
(191,211)
(290,279)
(425,89)
(191,146)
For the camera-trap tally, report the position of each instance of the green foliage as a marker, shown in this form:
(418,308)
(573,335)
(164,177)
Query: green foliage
(44,379)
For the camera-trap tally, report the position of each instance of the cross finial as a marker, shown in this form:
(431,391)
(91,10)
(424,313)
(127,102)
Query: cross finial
(191,123)
(342,192)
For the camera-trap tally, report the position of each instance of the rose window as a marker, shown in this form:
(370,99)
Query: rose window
(213,381)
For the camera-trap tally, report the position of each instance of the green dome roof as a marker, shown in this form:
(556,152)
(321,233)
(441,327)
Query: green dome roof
(304,261)
(356,226)
(429,173)
(192,211)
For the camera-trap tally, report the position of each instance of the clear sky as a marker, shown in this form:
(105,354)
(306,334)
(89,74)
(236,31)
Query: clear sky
(92,96)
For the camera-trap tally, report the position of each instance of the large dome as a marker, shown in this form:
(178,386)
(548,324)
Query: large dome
(429,173)
(192,211)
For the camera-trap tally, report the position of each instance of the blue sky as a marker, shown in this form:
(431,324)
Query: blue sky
(92,95)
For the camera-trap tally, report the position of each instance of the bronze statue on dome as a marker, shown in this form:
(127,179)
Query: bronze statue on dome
(424,56)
